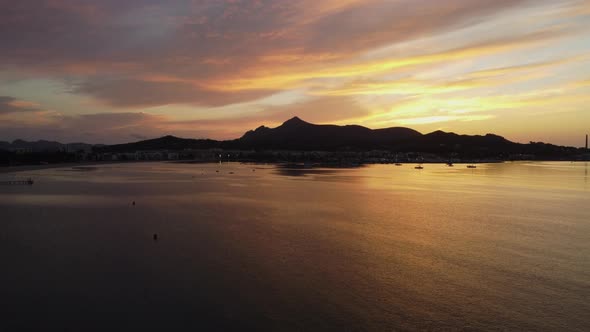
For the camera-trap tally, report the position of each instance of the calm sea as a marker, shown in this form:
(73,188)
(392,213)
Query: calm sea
(500,247)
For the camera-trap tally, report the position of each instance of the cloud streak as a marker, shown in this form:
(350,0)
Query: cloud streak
(221,46)
(12,105)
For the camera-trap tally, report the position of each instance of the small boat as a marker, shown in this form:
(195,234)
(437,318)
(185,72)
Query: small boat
(420,160)
(450,164)
(471,166)
(398,164)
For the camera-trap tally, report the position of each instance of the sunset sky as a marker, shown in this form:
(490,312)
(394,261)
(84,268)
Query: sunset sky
(115,71)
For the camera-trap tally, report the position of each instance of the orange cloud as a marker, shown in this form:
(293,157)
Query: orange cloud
(290,78)
(500,76)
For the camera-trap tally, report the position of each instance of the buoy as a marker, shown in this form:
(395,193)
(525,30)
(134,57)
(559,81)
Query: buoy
(133,203)
(155,236)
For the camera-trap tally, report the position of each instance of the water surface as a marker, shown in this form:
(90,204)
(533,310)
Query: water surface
(503,246)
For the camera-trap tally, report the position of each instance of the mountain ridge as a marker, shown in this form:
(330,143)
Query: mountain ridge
(296,134)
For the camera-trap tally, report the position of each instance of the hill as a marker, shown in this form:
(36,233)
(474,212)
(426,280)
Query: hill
(43,146)
(296,134)
(163,143)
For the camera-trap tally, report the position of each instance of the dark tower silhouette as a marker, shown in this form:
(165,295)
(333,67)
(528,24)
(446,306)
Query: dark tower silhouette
(586,142)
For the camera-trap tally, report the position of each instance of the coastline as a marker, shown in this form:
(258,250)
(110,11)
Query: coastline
(26,168)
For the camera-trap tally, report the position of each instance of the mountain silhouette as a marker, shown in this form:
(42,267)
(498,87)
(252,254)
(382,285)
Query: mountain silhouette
(168,142)
(296,134)
(440,141)
(43,146)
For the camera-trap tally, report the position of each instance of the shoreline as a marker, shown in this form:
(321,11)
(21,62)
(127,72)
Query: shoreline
(26,168)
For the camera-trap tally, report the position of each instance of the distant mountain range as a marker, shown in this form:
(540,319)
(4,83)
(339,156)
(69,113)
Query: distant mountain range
(45,146)
(296,134)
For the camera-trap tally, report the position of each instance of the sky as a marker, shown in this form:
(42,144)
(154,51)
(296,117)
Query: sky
(114,71)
